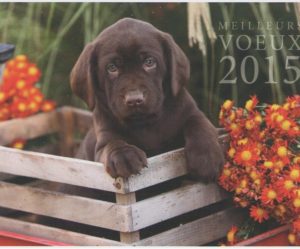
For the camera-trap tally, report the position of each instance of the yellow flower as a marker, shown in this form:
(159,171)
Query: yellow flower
(234,126)
(249,104)
(254,175)
(268,164)
(279,118)
(243,141)
(227,172)
(282,151)
(258,119)
(296,203)
(295,174)
(246,155)
(296,159)
(286,125)
(275,107)
(292,238)
(271,195)
(249,124)
(231,152)
(228,104)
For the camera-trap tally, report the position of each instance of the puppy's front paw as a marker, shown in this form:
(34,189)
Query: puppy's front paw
(204,162)
(125,161)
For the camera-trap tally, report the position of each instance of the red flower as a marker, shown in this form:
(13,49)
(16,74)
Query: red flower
(247,155)
(268,196)
(280,149)
(258,214)
(285,187)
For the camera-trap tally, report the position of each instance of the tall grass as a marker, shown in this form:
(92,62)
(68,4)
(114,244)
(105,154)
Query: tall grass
(53,34)
(213,70)
(44,31)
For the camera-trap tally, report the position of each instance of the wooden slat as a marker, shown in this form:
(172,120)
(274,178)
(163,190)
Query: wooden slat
(173,203)
(54,234)
(161,168)
(55,168)
(198,232)
(82,119)
(28,128)
(78,209)
(5,176)
(128,199)
(66,132)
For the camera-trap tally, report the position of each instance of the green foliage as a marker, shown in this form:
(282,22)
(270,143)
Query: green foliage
(53,34)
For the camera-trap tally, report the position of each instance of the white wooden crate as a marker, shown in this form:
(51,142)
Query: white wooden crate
(129,215)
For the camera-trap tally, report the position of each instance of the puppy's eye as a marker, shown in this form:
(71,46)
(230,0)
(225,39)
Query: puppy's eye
(149,62)
(111,68)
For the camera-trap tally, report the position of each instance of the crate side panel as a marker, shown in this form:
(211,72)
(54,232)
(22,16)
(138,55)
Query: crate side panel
(173,203)
(198,232)
(55,168)
(164,167)
(68,207)
(55,234)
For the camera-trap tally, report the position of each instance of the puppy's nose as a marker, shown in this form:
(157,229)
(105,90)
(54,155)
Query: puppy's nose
(134,98)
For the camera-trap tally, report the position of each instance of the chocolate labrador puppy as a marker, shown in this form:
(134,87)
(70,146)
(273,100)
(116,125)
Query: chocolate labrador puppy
(133,77)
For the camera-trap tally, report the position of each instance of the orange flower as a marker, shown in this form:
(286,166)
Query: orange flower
(251,103)
(280,149)
(18,144)
(293,104)
(227,105)
(285,187)
(247,155)
(280,211)
(292,238)
(296,203)
(3,96)
(33,74)
(263,167)
(33,106)
(268,164)
(294,173)
(258,214)
(4,112)
(231,235)
(48,106)
(21,58)
(268,196)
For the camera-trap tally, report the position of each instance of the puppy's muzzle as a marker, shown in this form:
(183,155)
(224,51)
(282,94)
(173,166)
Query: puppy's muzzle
(134,98)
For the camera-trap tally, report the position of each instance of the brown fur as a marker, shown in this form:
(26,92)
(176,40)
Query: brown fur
(140,105)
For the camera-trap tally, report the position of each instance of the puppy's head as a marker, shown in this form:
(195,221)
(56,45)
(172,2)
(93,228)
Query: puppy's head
(130,69)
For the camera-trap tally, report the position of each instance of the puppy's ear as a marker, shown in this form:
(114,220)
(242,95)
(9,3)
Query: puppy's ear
(178,65)
(82,76)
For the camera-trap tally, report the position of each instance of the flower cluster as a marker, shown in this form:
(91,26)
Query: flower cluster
(19,95)
(263,159)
